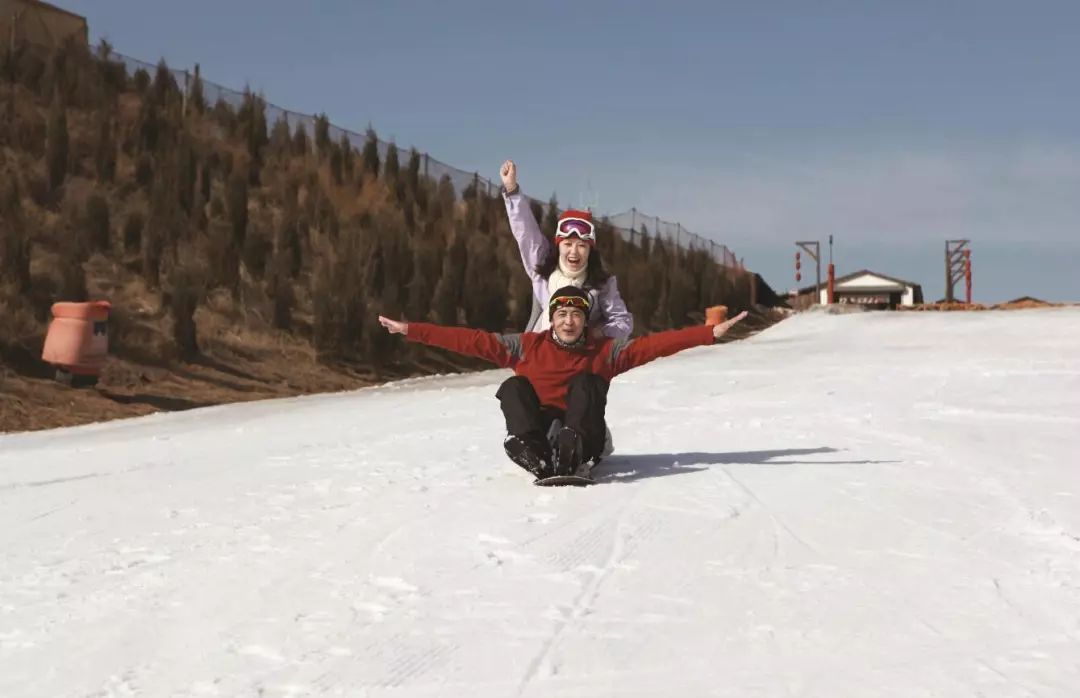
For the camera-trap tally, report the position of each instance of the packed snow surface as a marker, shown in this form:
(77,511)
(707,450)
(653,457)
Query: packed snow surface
(843,505)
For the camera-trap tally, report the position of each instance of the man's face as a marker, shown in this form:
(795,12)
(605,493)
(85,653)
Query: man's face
(568,324)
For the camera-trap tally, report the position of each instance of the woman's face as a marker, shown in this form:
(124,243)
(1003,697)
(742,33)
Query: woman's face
(573,255)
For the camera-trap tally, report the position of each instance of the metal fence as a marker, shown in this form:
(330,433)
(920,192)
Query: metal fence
(632,223)
(629,224)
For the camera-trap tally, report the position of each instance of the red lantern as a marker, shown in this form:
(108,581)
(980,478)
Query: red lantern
(798,276)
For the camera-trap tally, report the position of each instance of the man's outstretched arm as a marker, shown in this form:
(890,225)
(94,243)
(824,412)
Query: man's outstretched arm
(636,352)
(498,349)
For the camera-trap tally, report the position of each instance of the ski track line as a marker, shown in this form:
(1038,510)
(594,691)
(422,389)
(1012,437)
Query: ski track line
(51,511)
(584,600)
(45,483)
(75,478)
(776,521)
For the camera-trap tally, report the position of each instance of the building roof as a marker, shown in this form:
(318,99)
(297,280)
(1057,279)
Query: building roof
(848,277)
(862,272)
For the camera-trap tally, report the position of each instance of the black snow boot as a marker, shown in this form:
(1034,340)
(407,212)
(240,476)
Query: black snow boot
(531,454)
(568,452)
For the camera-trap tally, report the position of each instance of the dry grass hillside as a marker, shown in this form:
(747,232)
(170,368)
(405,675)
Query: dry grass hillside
(244,260)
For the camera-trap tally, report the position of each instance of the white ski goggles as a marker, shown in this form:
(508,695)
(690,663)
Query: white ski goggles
(568,227)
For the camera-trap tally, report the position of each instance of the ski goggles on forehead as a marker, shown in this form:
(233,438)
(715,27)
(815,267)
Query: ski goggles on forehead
(569,302)
(575,226)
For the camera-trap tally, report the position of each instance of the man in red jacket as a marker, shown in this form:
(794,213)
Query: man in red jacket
(560,376)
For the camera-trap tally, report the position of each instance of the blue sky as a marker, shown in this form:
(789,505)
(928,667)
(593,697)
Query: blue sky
(891,126)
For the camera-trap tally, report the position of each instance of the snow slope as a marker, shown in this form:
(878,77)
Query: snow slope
(859,505)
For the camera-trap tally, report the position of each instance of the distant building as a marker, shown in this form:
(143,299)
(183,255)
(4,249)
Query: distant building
(40,24)
(866,288)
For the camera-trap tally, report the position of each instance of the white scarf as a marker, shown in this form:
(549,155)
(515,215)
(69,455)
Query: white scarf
(557,280)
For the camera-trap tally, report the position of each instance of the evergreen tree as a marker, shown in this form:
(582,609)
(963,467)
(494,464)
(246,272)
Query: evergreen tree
(196,99)
(287,247)
(370,156)
(224,256)
(484,294)
(258,246)
(14,236)
(187,168)
(322,135)
(392,169)
(281,292)
(348,157)
(336,165)
(425,274)
(73,254)
(252,122)
(164,88)
(451,282)
(521,301)
(551,217)
(185,289)
(300,145)
(133,227)
(97,223)
(444,197)
(149,127)
(56,155)
(105,149)
(412,172)
(537,209)
(140,80)
(238,208)
(281,146)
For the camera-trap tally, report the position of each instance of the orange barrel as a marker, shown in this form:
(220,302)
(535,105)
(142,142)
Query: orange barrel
(715,314)
(78,337)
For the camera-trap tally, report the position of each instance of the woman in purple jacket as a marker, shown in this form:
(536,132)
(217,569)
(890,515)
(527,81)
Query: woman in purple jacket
(569,259)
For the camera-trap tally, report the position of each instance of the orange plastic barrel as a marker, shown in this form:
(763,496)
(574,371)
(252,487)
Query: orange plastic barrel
(715,315)
(78,337)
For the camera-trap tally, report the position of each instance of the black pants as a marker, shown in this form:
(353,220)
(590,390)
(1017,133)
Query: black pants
(586,402)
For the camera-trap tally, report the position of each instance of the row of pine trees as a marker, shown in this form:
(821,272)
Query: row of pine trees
(310,235)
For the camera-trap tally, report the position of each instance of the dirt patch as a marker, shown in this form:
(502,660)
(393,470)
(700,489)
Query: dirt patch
(1025,303)
(34,400)
(236,365)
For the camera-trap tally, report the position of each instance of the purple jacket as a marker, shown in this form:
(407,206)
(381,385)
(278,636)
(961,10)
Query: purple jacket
(610,313)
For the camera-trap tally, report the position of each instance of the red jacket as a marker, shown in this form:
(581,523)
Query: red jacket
(550,367)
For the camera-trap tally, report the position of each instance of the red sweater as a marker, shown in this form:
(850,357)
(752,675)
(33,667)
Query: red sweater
(550,367)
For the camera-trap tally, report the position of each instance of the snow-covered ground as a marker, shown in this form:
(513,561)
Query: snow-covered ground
(858,505)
